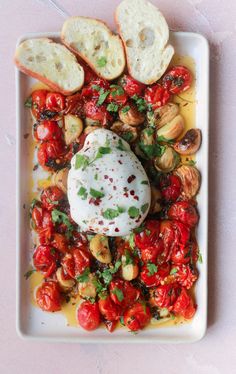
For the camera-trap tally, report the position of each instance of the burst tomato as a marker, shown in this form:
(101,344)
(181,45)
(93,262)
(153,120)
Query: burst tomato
(76,262)
(45,259)
(117,95)
(74,104)
(170,186)
(165,296)
(97,113)
(55,102)
(60,242)
(88,316)
(184,305)
(137,316)
(95,88)
(47,130)
(109,310)
(42,223)
(131,86)
(48,297)
(123,293)
(149,236)
(153,278)
(184,254)
(50,153)
(38,102)
(177,79)
(156,95)
(185,275)
(51,197)
(184,212)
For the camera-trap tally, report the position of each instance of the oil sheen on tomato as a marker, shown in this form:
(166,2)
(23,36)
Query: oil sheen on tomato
(40,179)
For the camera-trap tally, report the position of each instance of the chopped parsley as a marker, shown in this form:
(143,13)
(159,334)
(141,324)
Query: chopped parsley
(121,146)
(106,275)
(96,177)
(94,193)
(140,103)
(200,260)
(173,271)
(34,202)
(84,277)
(118,90)
(139,229)
(152,150)
(133,212)
(83,193)
(112,107)
(128,136)
(119,294)
(128,258)
(152,268)
(131,241)
(101,62)
(191,163)
(28,274)
(163,139)
(102,97)
(144,182)
(113,213)
(60,217)
(144,208)
(125,109)
(28,102)
(81,161)
(102,151)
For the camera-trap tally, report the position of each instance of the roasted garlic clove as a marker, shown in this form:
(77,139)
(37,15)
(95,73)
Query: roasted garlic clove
(160,116)
(59,179)
(190,143)
(155,200)
(128,271)
(89,129)
(131,116)
(99,248)
(190,179)
(168,161)
(172,129)
(65,284)
(88,288)
(127,132)
(73,128)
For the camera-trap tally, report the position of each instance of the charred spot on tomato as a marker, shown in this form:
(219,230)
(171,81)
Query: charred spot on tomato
(141,286)
(155,313)
(47,115)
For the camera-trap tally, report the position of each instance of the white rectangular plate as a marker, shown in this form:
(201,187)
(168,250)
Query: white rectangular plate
(35,324)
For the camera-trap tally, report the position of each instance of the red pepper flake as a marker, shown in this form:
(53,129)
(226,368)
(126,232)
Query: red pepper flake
(132,192)
(111,223)
(114,188)
(95,202)
(120,162)
(116,229)
(106,177)
(111,180)
(126,194)
(100,222)
(136,197)
(131,178)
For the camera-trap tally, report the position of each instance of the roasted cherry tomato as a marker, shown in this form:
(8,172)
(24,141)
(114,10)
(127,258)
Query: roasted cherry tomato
(149,236)
(76,262)
(110,325)
(156,95)
(95,88)
(184,305)
(123,293)
(165,296)
(185,254)
(117,95)
(177,79)
(152,275)
(182,233)
(42,223)
(60,242)
(55,102)
(45,259)
(88,315)
(109,310)
(167,238)
(185,275)
(170,186)
(49,154)
(51,197)
(38,102)
(137,316)
(184,212)
(47,130)
(131,86)
(48,297)
(74,104)
(97,113)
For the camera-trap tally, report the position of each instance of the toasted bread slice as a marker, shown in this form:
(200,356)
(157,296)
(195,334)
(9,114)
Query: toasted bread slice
(145,35)
(92,40)
(51,63)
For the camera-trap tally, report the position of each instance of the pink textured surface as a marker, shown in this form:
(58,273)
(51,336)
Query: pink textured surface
(216,352)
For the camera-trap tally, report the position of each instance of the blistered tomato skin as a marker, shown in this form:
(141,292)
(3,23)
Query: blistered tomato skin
(47,130)
(88,316)
(45,259)
(109,310)
(75,262)
(123,293)
(184,212)
(48,297)
(154,278)
(177,79)
(55,102)
(185,275)
(38,102)
(156,96)
(170,187)
(51,197)
(137,316)
(184,305)
(131,86)
(164,296)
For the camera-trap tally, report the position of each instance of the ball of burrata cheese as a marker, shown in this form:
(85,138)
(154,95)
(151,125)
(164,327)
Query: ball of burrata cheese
(108,189)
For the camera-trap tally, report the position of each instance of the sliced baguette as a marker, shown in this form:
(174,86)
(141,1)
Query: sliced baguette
(145,35)
(51,63)
(92,40)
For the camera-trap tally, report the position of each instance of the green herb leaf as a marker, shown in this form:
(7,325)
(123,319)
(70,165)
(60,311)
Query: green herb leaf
(96,87)
(119,294)
(34,202)
(96,177)
(173,271)
(60,217)
(102,97)
(191,163)
(144,208)
(163,139)
(112,213)
(28,274)
(84,277)
(200,260)
(95,193)
(140,103)
(81,161)
(101,62)
(152,150)
(83,193)
(133,212)
(121,146)
(128,258)
(144,182)
(118,90)
(147,232)
(131,241)
(125,109)
(152,268)
(102,151)
(28,102)
(122,321)
(112,107)
(128,136)
(139,229)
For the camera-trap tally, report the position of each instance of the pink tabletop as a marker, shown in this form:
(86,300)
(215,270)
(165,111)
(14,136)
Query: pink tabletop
(216,353)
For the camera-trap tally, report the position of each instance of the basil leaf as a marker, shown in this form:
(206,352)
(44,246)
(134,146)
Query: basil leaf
(121,146)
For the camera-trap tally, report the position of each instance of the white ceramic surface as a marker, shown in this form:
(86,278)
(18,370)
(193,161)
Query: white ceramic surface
(35,324)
